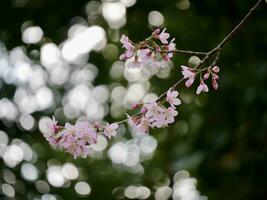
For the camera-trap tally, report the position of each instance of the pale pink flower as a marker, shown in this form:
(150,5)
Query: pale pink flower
(202,87)
(170,47)
(52,126)
(75,139)
(172,98)
(163,37)
(216,69)
(143,125)
(135,63)
(153,110)
(110,130)
(214,84)
(156,33)
(165,117)
(145,56)
(206,75)
(214,79)
(140,124)
(189,74)
(127,44)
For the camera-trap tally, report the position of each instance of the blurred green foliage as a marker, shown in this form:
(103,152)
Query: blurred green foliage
(219,137)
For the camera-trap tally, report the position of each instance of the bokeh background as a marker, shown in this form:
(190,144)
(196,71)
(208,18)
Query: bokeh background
(61,58)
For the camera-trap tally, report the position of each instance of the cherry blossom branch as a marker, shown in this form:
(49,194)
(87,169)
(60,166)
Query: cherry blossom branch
(234,32)
(152,52)
(219,47)
(184,52)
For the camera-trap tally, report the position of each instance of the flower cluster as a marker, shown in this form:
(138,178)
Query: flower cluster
(76,139)
(156,115)
(190,74)
(151,52)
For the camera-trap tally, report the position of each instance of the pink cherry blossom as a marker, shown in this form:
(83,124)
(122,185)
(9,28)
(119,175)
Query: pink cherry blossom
(163,37)
(165,117)
(110,130)
(189,74)
(52,126)
(172,98)
(76,139)
(127,44)
(140,124)
(135,63)
(216,69)
(214,79)
(153,110)
(202,87)
(145,56)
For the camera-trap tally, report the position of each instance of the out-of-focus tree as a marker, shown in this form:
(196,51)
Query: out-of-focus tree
(61,58)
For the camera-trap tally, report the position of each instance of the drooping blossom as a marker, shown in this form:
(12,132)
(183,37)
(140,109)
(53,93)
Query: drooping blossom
(172,98)
(169,49)
(214,79)
(164,37)
(135,63)
(202,87)
(129,48)
(145,56)
(188,74)
(76,139)
(110,130)
(159,116)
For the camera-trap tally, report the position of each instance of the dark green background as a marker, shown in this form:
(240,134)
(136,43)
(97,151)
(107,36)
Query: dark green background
(225,146)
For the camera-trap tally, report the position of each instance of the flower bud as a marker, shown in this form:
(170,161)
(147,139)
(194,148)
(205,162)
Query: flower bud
(216,69)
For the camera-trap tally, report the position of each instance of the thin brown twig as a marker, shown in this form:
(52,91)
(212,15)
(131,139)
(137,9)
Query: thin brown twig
(209,54)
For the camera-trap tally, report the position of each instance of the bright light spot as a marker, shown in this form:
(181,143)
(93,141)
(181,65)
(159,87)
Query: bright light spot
(150,97)
(48,197)
(26,121)
(42,186)
(50,55)
(148,144)
(101,144)
(79,96)
(32,35)
(8,190)
(117,69)
(13,155)
(9,176)
(163,193)
(8,109)
(135,93)
(131,192)
(118,153)
(23,71)
(114,14)
(181,175)
(82,188)
(44,98)
(3,139)
(132,74)
(95,111)
(55,176)
(93,38)
(101,94)
(70,171)
(43,124)
(128,3)
(118,93)
(29,172)
(144,192)
(183,4)
(155,18)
